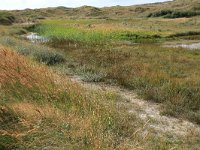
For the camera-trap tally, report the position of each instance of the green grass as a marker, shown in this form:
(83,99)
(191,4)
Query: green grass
(82,31)
(71,34)
(101,32)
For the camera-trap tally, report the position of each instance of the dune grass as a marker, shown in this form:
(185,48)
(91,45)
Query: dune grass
(40,110)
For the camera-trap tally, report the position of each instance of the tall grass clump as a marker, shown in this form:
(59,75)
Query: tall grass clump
(49,58)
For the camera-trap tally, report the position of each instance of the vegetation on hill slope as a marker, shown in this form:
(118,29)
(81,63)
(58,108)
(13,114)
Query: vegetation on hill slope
(128,12)
(174,14)
(40,109)
(6,18)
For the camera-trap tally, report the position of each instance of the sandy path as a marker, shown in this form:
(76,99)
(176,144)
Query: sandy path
(145,110)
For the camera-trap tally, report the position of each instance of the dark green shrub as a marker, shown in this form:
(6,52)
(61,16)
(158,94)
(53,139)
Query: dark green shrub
(23,50)
(177,14)
(189,33)
(174,14)
(6,18)
(7,117)
(160,13)
(7,142)
(49,58)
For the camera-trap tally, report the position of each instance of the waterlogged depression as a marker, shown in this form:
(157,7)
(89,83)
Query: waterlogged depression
(34,37)
(192,46)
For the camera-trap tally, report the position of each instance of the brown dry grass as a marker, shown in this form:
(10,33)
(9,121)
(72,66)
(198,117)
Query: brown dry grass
(17,68)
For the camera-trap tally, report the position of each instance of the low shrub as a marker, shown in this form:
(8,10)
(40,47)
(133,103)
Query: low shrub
(174,14)
(7,142)
(160,13)
(6,18)
(189,33)
(40,53)
(48,58)
(90,74)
